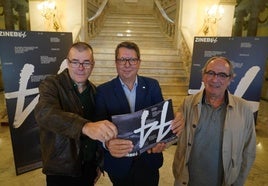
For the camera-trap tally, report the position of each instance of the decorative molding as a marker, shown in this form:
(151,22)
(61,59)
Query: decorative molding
(228,2)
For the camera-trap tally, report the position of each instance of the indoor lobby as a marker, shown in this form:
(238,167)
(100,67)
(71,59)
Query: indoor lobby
(258,175)
(192,20)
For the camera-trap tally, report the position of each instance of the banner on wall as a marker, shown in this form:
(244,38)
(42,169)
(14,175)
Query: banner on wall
(27,58)
(248,56)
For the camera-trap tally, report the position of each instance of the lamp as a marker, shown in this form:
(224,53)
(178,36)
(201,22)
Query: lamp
(214,13)
(212,17)
(48,10)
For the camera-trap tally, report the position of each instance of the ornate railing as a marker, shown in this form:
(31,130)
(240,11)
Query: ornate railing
(167,24)
(95,23)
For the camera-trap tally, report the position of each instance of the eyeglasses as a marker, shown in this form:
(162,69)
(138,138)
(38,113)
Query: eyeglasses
(123,61)
(220,75)
(76,64)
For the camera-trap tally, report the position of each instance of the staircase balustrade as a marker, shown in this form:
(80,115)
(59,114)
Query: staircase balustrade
(167,24)
(160,57)
(95,23)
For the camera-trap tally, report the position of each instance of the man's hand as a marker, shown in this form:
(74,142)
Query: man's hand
(101,130)
(178,124)
(159,147)
(119,147)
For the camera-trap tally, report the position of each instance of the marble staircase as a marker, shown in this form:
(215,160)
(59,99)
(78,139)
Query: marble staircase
(160,59)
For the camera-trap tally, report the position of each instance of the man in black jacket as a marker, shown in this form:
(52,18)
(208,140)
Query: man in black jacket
(68,136)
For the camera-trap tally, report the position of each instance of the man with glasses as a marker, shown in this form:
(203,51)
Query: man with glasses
(127,93)
(65,114)
(218,145)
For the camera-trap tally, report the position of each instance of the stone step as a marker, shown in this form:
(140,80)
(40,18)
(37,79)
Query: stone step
(131,21)
(132,32)
(110,49)
(131,25)
(142,43)
(176,101)
(130,16)
(112,40)
(144,70)
(144,58)
(167,78)
(173,89)
(105,63)
(118,37)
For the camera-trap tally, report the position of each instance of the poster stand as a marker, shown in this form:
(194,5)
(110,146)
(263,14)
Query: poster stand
(28,57)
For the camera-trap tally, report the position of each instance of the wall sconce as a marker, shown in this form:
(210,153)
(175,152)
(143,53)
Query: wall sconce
(212,17)
(49,12)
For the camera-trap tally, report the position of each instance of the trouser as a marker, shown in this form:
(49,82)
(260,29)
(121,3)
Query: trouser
(139,175)
(87,178)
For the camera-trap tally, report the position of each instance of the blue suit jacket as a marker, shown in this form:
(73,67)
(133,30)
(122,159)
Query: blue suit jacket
(111,100)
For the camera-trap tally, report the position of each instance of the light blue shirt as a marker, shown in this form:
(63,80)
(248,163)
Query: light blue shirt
(130,94)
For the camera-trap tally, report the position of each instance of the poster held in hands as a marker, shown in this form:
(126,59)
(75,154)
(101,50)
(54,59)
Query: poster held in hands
(147,127)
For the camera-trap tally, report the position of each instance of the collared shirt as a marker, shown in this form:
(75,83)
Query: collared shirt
(206,151)
(130,94)
(238,153)
(88,146)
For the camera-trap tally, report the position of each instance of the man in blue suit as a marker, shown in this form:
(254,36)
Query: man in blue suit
(127,93)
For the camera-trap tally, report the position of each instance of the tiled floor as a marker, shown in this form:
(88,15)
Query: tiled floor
(258,175)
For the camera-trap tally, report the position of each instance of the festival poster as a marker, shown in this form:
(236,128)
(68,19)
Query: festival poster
(248,56)
(27,58)
(147,127)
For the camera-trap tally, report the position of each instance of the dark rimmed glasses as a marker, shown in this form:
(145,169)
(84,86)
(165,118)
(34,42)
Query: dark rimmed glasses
(220,75)
(123,61)
(76,63)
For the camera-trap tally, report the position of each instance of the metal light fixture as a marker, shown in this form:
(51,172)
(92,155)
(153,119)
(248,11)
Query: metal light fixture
(212,17)
(48,10)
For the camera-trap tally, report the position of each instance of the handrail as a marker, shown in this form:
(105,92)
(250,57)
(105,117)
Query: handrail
(95,22)
(76,33)
(167,24)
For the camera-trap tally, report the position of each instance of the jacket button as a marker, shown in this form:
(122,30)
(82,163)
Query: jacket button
(184,183)
(194,126)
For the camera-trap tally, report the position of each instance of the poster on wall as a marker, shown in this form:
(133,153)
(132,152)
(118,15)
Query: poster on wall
(248,56)
(147,127)
(27,58)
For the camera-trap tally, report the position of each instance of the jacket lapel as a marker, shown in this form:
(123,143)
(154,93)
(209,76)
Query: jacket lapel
(120,95)
(140,94)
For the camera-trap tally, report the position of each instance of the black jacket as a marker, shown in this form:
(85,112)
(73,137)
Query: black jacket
(59,115)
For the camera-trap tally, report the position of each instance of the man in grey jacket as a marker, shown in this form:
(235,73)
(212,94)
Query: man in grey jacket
(218,145)
(68,135)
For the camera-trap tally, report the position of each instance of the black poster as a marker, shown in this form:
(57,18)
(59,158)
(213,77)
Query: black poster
(248,56)
(27,58)
(147,127)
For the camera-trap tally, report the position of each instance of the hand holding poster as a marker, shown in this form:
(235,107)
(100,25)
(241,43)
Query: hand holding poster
(147,127)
